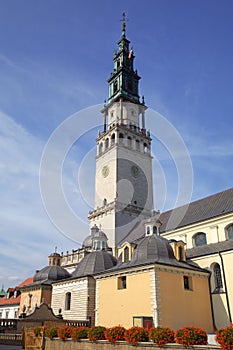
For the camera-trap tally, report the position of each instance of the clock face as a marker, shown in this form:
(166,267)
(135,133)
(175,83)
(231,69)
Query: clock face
(134,171)
(105,171)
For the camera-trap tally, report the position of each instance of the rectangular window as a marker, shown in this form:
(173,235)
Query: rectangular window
(187,282)
(121,282)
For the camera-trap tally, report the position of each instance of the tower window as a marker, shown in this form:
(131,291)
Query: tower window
(115,86)
(148,230)
(106,143)
(112,139)
(217,278)
(68,301)
(199,239)
(121,138)
(155,229)
(100,148)
(145,147)
(229,232)
(129,141)
(121,282)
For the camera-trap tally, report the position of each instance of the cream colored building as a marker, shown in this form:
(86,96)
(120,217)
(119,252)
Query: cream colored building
(151,283)
(184,275)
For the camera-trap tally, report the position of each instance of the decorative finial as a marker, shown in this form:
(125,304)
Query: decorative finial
(143,100)
(123,20)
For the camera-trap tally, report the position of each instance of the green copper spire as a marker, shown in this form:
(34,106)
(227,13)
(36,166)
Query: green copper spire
(123,81)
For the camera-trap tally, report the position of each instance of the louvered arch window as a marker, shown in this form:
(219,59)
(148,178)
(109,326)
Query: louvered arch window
(217,277)
(199,239)
(229,232)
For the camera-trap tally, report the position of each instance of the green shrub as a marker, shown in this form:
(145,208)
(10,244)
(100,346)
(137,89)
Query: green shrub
(189,336)
(224,337)
(114,334)
(96,333)
(64,332)
(161,335)
(78,333)
(51,332)
(134,335)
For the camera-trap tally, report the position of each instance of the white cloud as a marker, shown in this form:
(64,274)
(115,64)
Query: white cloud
(27,236)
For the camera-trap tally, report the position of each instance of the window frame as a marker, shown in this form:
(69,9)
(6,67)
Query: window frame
(68,301)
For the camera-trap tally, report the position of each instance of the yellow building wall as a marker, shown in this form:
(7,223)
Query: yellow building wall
(151,291)
(219,300)
(118,306)
(180,307)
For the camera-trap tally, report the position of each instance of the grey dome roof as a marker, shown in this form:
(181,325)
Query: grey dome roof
(100,234)
(153,248)
(94,262)
(51,273)
(87,242)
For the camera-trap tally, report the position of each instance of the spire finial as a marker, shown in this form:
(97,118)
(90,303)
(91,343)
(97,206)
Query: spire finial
(123,20)
(55,249)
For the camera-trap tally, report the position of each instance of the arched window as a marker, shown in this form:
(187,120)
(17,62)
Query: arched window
(112,139)
(115,87)
(155,229)
(129,141)
(229,232)
(145,147)
(148,230)
(137,145)
(105,201)
(199,239)
(217,277)
(121,138)
(106,143)
(126,254)
(100,147)
(68,301)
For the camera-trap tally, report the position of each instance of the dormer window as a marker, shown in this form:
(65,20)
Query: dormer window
(15,294)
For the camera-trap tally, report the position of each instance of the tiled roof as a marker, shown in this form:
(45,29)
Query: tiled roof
(15,301)
(209,249)
(200,210)
(194,212)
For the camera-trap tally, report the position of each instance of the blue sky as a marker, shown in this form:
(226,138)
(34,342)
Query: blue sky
(55,58)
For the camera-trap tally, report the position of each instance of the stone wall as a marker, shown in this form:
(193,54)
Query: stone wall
(56,344)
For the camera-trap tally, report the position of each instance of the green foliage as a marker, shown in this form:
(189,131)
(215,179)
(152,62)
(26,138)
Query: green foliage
(64,332)
(78,333)
(161,335)
(189,336)
(134,335)
(224,337)
(96,333)
(114,334)
(51,332)
(38,330)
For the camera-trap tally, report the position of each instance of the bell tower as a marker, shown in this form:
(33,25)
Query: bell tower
(123,186)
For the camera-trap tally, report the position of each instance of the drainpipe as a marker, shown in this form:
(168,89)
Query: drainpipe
(224,278)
